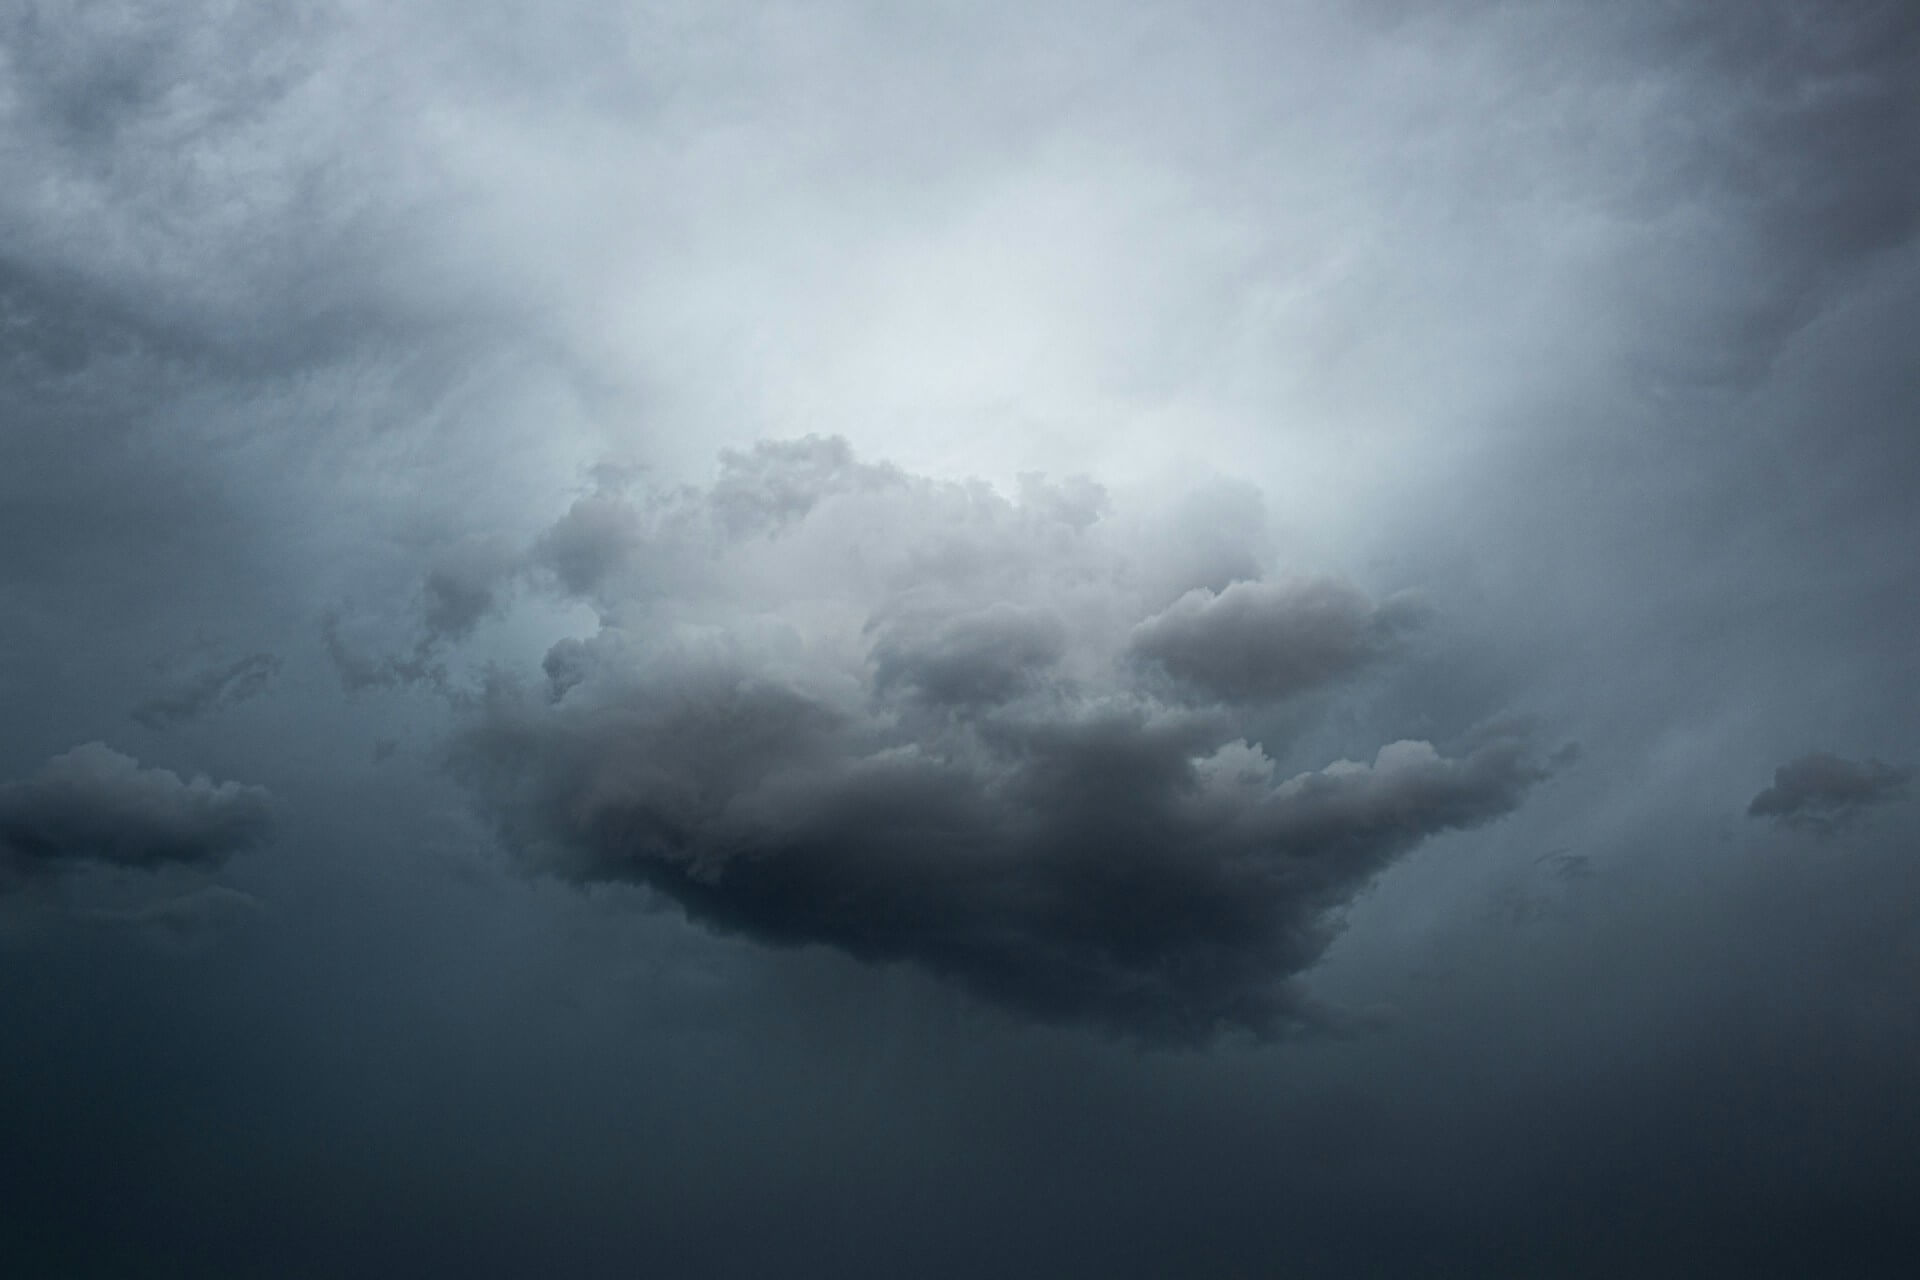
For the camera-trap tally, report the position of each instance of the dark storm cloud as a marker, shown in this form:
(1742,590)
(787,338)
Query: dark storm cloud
(1822,792)
(95,804)
(946,751)
(209,691)
(1258,640)
(1130,869)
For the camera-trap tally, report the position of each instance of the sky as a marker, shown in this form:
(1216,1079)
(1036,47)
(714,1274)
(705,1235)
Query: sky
(842,639)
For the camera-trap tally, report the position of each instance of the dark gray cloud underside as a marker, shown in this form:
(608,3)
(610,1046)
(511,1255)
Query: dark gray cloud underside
(1822,792)
(95,804)
(1092,872)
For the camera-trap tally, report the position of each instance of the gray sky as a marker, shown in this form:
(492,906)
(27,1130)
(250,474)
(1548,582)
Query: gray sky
(841,639)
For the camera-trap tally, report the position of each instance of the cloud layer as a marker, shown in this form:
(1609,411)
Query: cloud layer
(836,703)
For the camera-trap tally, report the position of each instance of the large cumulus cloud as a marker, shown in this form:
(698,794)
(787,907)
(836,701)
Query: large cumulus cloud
(832,702)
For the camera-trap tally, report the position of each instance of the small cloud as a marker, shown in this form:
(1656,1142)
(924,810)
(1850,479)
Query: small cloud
(96,804)
(1824,792)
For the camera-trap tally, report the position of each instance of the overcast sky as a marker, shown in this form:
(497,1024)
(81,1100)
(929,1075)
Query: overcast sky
(838,639)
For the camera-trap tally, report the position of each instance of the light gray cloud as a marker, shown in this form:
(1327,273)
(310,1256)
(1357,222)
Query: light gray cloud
(95,804)
(775,482)
(621,529)
(1823,792)
(589,542)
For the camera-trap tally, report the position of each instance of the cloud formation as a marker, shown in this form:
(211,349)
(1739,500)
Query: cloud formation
(95,804)
(1263,640)
(1823,792)
(835,703)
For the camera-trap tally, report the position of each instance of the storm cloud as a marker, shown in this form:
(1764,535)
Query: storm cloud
(1824,792)
(95,804)
(910,720)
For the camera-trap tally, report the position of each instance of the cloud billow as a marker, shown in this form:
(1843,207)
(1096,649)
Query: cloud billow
(1823,792)
(96,804)
(924,722)
(1260,640)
